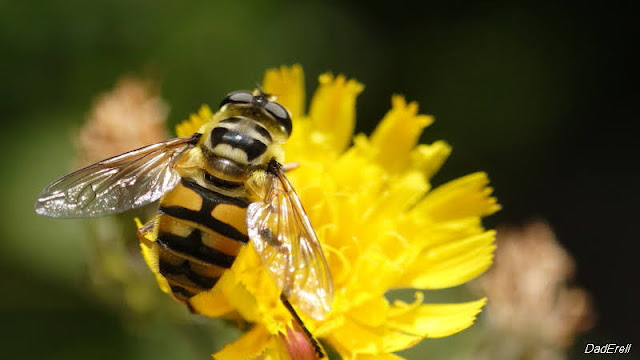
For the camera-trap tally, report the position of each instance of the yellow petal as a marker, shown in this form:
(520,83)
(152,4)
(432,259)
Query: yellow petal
(422,233)
(429,158)
(463,197)
(326,327)
(451,263)
(354,340)
(397,340)
(373,275)
(403,192)
(397,134)
(372,312)
(396,250)
(352,337)
(433,320)
(150,255)
(253,293)
(257,343)
(368,175)
(192,125)
(287,83)
(333,109)
(405,326)
(212,303)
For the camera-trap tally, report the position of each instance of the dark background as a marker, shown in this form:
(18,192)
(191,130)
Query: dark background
(542,97)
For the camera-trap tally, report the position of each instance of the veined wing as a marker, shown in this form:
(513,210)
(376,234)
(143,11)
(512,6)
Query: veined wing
(117,184)
(283,237)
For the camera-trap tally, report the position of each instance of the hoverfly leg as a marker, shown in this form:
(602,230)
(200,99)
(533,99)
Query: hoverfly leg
(298,321)
(192,310)
(290,166)
(145,232)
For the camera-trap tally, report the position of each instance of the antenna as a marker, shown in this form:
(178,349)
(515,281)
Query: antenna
(260,92)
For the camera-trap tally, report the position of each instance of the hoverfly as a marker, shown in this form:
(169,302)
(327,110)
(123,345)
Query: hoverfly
(219,189)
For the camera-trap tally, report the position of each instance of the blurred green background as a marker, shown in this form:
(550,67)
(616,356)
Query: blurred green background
(539,96)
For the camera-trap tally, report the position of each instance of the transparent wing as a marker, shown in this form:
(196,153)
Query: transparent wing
(282,235)
(117,184)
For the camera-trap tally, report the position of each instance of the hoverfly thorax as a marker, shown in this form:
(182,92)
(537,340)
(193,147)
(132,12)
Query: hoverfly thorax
(249,132)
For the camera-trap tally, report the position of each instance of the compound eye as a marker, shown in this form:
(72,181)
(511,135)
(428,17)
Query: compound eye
(280,114)
(237,97)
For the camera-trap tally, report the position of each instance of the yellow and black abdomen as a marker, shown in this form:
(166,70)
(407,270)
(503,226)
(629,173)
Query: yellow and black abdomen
(198,236)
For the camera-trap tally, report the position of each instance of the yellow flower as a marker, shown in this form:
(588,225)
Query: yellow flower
(381,226)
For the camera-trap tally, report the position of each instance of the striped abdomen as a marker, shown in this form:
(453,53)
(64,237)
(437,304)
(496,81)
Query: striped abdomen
(199,235)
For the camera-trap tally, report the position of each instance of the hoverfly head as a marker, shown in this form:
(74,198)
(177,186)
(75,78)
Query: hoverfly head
(260,106)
